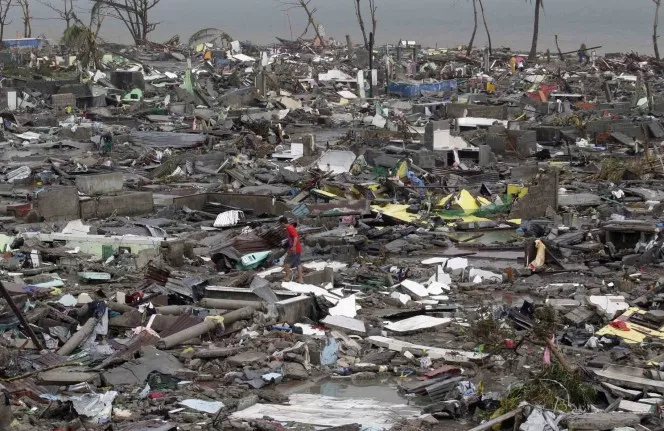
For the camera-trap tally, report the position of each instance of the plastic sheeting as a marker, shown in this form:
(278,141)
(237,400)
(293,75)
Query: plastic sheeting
(419,89)
(324,411)
(229,218)
(336,161)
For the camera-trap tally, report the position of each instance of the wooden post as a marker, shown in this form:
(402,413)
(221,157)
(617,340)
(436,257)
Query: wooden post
(20,316)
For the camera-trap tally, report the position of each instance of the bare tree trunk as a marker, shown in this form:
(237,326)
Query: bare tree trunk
(486,27)
(27,19)
(472,37)
(658,3)
(374,21)
(560,53)
(533,49)
(310,14)
(360,21)
(69,6)
(5,5)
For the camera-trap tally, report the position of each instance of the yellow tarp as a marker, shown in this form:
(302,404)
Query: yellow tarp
(483,201)
(402,170)
(515,189)
(636,333)
(397,212)
(465,201)
(324,193)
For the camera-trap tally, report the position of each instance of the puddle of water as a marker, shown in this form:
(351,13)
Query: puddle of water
(376,404)
(384,390)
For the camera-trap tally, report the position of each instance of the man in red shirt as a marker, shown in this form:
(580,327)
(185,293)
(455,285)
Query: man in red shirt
(294,251)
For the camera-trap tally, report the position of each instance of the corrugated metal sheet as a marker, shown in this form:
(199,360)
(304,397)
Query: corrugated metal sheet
(183,322)
(28,388)
(157,275)
(274,237)
(129,350)
(167,139)
(184,286)
(50,359)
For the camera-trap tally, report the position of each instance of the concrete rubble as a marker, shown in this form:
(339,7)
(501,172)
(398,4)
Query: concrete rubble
(482,247)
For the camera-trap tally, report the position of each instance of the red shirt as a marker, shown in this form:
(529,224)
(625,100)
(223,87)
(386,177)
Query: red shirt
(293,238)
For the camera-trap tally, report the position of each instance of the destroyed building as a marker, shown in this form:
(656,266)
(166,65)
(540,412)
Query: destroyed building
(481,246)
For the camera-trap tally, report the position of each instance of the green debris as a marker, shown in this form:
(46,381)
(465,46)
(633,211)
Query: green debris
(490,332)
(554,389)
(613,169)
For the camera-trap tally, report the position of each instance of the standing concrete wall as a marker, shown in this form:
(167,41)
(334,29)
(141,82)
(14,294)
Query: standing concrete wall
(58,203)
(102,184)
(130,204)
(542,194)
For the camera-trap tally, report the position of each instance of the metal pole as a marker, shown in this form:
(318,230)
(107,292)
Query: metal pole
(20,316)
(371,46)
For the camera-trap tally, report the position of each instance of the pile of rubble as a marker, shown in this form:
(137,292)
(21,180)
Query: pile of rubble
(482,243)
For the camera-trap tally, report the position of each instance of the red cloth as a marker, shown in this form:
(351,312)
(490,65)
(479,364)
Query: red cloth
(294,239)
(619,324)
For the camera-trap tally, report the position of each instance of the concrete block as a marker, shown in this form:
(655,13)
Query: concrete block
(486,156)
(102,184)
(320,278)
(58,203)
(526,142)
(129,204)
(61,101)
(294,309)
(579,316)
(542,194)
(127,80)
(345,324)
(437,135)
(309,144)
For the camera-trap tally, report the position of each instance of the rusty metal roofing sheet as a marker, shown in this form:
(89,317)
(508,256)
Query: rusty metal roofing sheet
(183,322)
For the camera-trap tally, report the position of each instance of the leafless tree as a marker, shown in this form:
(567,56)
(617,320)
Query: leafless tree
(486,27)
(65,13)
(360,20)
(658,3)
(472,37)
(27,19)
(135,16)
(5,5)
(539,5)
(305,6)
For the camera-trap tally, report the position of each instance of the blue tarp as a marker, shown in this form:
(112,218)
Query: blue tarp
(35,42)
(412,89)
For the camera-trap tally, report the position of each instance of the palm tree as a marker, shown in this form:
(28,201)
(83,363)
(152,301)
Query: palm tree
(539,4)
(82,38)
(472,37)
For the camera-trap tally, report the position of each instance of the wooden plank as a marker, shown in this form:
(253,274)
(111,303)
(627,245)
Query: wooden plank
(602,421)
(497,421)
(631,382)
(634,407)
